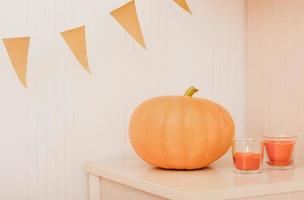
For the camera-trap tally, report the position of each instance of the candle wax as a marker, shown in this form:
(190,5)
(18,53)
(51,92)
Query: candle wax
(247,161)
(279,152)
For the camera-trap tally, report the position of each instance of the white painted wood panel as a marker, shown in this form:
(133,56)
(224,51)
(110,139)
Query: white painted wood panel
(94,187)
(111,190)
(67,116)
(275,68)
(284,196)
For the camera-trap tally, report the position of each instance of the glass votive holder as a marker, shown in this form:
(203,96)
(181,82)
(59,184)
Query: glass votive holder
(279,151)
(247,155)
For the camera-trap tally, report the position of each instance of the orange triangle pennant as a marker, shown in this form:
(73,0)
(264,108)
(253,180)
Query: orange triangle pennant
(75,39)
(17,49)
(126,16)
(183,4)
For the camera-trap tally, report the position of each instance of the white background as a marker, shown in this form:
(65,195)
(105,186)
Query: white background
(67,116)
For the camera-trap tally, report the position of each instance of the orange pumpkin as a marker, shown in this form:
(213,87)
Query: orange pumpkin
(180,132)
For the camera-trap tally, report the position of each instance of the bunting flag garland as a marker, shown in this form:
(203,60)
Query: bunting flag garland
(75,39)
(183,4)
(17,50)
(126,16)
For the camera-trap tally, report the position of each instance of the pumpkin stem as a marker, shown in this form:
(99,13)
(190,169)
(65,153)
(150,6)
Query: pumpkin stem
(190,91)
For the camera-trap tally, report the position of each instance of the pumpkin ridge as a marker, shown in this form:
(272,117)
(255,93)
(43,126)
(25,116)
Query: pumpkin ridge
(206,146)
(186,154)
(226,124)
(221,135)
(166,140)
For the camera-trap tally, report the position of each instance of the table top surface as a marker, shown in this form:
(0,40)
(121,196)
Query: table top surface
(215,182)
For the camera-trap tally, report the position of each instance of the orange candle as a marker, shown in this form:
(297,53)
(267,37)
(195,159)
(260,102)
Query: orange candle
(247,161)
(279,152)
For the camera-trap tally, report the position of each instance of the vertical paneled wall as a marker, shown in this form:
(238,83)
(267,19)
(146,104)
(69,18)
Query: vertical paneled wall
(275,67)
(67,116)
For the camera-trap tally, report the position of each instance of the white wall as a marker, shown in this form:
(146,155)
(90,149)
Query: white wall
(275,68)
(67,116)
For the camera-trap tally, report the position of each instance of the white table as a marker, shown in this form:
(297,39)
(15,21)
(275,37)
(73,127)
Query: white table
(133,179)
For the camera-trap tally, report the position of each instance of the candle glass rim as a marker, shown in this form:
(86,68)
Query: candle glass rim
(247,140)
(280,136)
